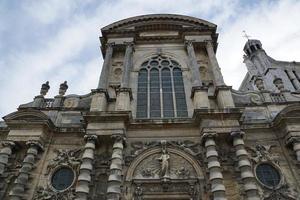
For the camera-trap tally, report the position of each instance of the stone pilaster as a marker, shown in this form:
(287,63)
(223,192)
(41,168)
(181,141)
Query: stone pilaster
(127,65)
(193,64)
(18,190)
(5,153)
(199,92)
(245,166)
(124,94)
(214,64)
(214,166)
(86,168)
(116,167)
(105,67)
(295,142)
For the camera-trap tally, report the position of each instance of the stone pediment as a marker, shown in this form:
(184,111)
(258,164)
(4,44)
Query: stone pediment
(158,22)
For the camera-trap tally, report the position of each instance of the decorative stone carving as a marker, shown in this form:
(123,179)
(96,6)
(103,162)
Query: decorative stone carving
(69,157)
(45,88)
(164,159)
(71,102)
(259,83)
(262,153)
(278,83)
(283,193)
(47,194)
(164,164)
(63,88)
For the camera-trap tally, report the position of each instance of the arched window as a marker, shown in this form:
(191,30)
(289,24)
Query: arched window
(160,91)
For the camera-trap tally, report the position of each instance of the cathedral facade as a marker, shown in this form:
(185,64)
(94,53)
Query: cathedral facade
(161,124)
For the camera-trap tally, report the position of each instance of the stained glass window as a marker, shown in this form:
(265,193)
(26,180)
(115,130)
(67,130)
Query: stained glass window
(268,175)
(62,178)
(160,91)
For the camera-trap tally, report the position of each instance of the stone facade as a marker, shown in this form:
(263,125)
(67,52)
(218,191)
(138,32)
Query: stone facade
(161,124)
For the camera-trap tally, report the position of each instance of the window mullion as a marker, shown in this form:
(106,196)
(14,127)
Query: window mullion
(161,95)
(173,94)
(149,95)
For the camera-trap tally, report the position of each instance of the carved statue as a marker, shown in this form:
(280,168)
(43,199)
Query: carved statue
(45,88)
(164,159)
(63,88)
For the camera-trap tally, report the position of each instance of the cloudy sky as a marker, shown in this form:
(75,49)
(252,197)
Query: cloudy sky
(57,40)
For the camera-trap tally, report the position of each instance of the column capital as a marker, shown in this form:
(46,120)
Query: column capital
(9,143)
(128,44)
(291,140)
(35,143)
(90,137)
(110,44)
(208,135)
(118,138)
(237,133)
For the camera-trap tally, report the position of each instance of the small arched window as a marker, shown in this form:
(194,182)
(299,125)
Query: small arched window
(160,92)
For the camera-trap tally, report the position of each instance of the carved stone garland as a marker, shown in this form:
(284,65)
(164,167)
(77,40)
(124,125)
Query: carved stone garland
(64,157)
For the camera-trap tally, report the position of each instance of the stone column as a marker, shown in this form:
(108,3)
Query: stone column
(115,178)
(295,141)
(18,190)
(294,79)
(245,166)
(199,92)
(214,64)
(214,166)
(105,67)
(86,168)
(124,93)
(5,153)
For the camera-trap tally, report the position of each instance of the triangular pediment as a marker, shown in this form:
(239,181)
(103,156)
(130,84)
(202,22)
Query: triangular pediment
(158,21)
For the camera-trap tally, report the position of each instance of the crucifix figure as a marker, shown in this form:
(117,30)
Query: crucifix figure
(245,35)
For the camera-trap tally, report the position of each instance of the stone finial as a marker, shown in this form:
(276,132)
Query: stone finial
(259,83)
(45,88)
(63,88)
(278,83)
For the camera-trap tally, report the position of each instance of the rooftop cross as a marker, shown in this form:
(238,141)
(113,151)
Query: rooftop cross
(245,35)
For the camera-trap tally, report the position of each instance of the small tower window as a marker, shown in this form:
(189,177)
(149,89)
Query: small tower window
(160,91)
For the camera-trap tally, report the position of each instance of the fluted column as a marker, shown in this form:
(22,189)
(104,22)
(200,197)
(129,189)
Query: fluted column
(245,166)
(116,167)
(214,64)
(86,168)
(18,190)
(5,153)
(295,142)
(105,67)
(199,92)
(214,166)
(294,79)
(124,94)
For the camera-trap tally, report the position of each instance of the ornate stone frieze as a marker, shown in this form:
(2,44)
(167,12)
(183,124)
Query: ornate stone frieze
(262,153)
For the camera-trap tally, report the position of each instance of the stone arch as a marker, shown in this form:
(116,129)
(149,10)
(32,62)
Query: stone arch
(144,155)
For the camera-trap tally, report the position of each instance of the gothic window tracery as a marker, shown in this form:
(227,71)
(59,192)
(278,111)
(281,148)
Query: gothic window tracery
(160,92)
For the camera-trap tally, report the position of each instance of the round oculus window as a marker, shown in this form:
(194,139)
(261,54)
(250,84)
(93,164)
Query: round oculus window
(268,175)
(62,178)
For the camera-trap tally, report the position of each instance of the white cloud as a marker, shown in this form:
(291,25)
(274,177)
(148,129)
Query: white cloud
(62,56)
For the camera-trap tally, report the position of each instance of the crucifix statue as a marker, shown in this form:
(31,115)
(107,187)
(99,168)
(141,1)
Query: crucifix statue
(245,35)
